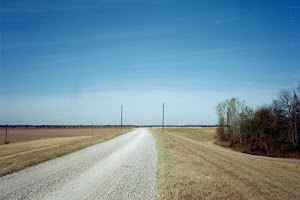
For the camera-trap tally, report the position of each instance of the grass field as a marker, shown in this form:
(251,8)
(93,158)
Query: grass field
(37,149)
(190,171)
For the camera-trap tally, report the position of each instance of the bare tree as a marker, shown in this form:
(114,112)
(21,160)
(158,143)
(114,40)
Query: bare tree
(222,115)
(289,101)
(233,112)
(273,129)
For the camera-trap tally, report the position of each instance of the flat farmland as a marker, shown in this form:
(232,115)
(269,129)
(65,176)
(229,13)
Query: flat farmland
(28,134)
(30,146)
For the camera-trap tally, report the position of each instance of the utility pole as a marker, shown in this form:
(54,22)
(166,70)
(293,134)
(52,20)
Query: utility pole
(5,136)
(163,118)
(121,117)
(92,129)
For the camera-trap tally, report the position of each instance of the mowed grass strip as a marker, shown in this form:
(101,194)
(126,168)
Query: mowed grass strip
(200,134)
(17,156)
(190,171)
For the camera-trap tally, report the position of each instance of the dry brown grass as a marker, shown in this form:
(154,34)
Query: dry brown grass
(190,171)
(202,134)
(17,156)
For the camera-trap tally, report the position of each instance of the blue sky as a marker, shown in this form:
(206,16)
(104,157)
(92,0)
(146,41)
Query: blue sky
(76,62)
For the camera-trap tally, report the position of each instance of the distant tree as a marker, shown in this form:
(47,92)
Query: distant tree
(233,112)
(289,102)
(222,115)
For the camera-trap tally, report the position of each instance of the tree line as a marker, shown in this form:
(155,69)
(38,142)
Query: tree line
(272,129)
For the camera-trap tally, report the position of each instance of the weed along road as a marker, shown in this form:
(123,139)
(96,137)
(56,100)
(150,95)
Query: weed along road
(121,168)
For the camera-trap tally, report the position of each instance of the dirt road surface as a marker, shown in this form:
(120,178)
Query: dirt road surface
(121,168)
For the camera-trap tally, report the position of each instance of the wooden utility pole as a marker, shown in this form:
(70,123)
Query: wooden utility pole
(121,117)
(92,129)
(163,118)
(6,136)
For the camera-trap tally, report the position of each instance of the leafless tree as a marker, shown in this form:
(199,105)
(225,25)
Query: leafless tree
(289,101)
(233,112)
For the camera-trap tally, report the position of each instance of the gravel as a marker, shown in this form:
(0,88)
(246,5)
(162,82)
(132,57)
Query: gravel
(121,168)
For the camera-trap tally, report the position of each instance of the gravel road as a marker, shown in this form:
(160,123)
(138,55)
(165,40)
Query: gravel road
(121,168)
